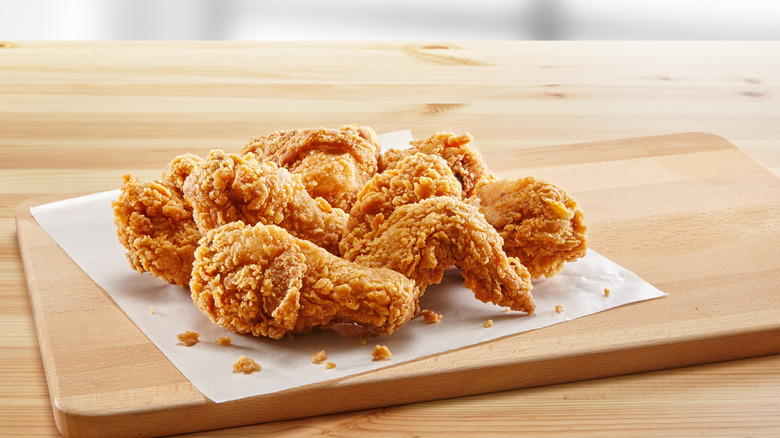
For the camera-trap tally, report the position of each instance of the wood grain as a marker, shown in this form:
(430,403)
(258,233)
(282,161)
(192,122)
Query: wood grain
(74,117)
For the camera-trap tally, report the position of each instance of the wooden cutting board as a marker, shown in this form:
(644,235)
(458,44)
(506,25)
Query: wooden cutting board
(690,213)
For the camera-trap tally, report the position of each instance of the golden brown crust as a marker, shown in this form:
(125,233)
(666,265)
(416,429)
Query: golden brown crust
(177,171)
(226,188)
(334,164)
(422,239)
(155,225)
(412,179)
(262,280)
(464,161)
(540,223)
(266,230)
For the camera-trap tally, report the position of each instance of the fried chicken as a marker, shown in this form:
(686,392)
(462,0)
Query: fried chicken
(541,224)
(415,177)
(154,224)
(256,236)
(422,239)
(227,187)
(261,280)
(466,163)
(177,171)
(334,164)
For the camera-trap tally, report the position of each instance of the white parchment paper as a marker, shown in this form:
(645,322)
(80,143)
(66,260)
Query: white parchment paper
(84,228)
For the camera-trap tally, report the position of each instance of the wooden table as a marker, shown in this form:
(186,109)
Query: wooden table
(74,117)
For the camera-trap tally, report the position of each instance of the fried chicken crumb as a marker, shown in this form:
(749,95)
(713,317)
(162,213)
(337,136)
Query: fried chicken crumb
(430,317)
(319,357)
(245,365)
(224,341)
(558,308)
(188,338)
(488,323)
(330,365)
(606,292)
(151,310)
(381,352)
(507,310)
(362,341)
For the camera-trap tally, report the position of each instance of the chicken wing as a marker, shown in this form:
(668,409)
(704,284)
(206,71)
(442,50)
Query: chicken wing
(261,280)
(466,163)
(154,224)
(415,177)
(422,239)
(227,187)
(540,223)
(334,164)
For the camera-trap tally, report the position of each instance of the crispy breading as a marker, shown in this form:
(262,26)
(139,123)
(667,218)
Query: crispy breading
(256,236)
(154,224)
(334,164)
(466,163)
(226,187)
(264,281)
(415,177)
(540,223)
(422,239)
(177,171)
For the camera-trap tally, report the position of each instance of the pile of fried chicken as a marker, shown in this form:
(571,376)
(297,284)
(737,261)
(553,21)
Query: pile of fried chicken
(315,228)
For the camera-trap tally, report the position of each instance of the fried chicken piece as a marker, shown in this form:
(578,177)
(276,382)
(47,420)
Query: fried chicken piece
(154,223)
(414,178)
(226,188)
(261,280)
(541,224)
(334,164)
(466,163)
(375,233)
(422,239)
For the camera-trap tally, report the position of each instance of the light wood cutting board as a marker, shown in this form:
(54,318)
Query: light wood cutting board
(690,213)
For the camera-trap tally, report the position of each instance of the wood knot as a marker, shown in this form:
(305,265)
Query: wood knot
(438,108)
(430,53)
(437,47)
(755,94)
